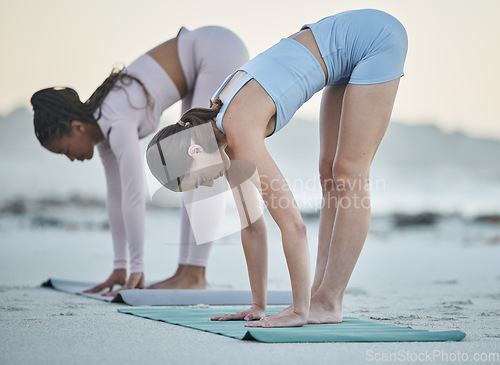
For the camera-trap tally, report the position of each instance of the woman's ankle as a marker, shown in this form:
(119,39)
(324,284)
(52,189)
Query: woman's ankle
(194,273)
(331,301)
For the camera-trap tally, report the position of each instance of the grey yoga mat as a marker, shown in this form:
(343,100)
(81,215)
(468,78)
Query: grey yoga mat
(75,287)
(161,297)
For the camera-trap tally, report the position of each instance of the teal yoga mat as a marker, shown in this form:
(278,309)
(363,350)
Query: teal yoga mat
(350,330)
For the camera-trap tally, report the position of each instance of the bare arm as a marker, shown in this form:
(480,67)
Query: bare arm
(281,204)
(242,178)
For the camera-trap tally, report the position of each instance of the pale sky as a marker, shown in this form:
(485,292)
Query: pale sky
(452,69)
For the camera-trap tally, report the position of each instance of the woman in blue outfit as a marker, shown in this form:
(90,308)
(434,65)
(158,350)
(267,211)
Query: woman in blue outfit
(357,57)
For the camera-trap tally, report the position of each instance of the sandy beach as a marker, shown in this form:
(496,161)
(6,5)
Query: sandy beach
(439,276)
(42,326)
(431,260)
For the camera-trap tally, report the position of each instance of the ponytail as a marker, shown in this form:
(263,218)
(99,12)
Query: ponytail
(192,118)
(196,124)
(56,107)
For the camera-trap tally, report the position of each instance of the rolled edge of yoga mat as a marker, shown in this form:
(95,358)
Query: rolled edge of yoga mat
(180,297)
(162,297)
(47,284)
(74,287)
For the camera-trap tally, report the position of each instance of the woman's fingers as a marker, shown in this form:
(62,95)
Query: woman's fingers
(108,293)
(217,318)
(229,317)
(95,289)
(111,293)
(256,323)
(118,276)
(135,281)
(99,288)
(110,290)
(248,315)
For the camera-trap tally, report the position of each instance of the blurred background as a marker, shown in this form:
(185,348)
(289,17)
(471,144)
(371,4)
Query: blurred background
(435,178)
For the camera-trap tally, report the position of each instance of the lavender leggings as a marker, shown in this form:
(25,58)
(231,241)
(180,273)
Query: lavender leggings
(208,55)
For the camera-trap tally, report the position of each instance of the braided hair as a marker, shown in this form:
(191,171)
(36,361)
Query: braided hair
(56,107)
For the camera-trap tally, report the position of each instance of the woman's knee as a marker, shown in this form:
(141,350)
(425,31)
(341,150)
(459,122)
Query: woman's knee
(350,176)
(326,175)
(295,227)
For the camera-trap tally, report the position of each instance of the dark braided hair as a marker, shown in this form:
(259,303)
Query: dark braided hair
(174,154)
(56,107)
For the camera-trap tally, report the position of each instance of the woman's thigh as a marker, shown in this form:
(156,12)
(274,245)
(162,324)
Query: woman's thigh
(329,123)
(366,112)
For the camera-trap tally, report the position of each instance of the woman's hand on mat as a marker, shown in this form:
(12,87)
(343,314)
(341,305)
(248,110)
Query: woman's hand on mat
(285,318)
(117,277)
(251,314)
(135,281)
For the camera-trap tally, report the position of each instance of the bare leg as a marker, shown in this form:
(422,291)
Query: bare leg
(365,116)
(329,116)
(330,113)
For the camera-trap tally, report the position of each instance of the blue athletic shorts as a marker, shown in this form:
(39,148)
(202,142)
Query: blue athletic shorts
(358,46)
(361,46)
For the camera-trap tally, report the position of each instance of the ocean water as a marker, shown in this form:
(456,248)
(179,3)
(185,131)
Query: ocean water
(71,240)
(417,169)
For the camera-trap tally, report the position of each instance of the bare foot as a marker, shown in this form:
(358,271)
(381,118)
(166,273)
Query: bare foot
(135,281)
(324,312)
(186,281)
(280,320)
(164,284)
